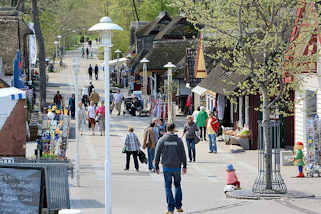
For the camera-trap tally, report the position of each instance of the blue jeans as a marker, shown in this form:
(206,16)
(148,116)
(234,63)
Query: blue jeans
(212,142)
(172,202)
(191,148)
(151,155)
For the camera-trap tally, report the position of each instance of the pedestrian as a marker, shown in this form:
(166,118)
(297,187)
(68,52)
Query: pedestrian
(72,106)
(94,97)
(118,99)
(87,52)
(82,52)
(161,127)
(201,122)
(111,101)
(91,117)
(90,88)
(190,130)
(81,118)
(132,147)
(156,130)
(195,113)
(58,100)
(149,143)
(212,126)
(85,97)
(231,177)
(100,115)
(96,71)
(170,149)
(90,72)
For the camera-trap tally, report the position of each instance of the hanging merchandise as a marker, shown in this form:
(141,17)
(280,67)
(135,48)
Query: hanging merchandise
(220,106)
(313,147)
(54,141)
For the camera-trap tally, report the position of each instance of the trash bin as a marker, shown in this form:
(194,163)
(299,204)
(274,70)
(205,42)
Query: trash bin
(70,211)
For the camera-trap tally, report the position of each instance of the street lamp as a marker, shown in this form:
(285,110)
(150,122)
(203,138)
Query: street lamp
(76,72)
(145,61)
(59,46)
(106,26)
(170,67)
(83,44)
(56,45)
(118,72)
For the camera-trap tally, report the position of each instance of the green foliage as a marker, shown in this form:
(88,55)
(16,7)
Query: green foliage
(251,38)
(150,9)
(72,18)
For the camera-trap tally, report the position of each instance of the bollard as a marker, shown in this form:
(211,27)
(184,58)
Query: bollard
(70,211)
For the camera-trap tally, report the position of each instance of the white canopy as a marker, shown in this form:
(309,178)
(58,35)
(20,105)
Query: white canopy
(199,90)
(8,100)
(120,60)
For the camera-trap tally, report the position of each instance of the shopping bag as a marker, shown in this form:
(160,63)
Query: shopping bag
(142,157)
(124,150)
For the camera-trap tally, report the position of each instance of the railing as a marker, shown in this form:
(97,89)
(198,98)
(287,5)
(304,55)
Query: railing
(278,184)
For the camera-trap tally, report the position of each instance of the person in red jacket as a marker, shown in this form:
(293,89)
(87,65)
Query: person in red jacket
(212,126)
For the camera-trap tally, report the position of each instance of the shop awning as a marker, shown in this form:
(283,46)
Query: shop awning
(116,61)
(199,90)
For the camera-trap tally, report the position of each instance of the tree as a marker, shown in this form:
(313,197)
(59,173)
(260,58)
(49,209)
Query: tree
(251,38)
(42,52)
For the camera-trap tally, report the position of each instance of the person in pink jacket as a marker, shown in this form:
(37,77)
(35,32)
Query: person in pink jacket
(231,178)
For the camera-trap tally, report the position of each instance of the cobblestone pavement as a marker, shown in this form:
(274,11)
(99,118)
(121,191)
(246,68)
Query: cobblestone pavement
(143,192)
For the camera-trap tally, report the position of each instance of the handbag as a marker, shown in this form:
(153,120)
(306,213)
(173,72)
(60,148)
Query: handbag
(196,139)
(124,150)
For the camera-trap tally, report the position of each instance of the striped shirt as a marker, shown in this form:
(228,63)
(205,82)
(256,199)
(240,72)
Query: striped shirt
(131,142)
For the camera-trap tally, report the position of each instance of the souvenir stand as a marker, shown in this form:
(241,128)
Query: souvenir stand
(313,147)
(54,140)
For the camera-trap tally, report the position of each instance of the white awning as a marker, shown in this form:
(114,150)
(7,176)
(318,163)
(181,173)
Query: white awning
(120,60)
(199,90)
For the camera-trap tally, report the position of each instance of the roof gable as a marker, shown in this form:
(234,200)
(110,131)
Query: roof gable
(155,26)
(178,28)
(305,35)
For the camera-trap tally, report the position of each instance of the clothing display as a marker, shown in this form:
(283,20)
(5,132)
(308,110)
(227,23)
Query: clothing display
(220,106)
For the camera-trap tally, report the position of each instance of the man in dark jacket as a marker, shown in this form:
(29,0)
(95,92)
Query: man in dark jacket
(58,100)
(90,72)
(90,88)
(96,71)
(171,149)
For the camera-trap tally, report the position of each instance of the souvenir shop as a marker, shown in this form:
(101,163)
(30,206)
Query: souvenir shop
(54,139)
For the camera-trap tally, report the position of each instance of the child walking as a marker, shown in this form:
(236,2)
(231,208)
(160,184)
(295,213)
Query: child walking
(231,178)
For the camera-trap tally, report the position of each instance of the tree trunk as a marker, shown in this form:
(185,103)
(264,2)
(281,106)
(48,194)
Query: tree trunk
(267,141)
(42,53)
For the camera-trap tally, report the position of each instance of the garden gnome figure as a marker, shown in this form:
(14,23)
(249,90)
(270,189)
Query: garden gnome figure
(298,159)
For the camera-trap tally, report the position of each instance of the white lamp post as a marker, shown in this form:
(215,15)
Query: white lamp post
(106,26)
(145,61)
(170,67)
(76,72)
(117,66)
(59,48)
(56,45)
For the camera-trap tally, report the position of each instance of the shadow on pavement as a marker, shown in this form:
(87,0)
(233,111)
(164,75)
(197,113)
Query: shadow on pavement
(55,85)
(86,204)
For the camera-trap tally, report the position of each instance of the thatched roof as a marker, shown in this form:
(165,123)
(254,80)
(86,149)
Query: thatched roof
(164,52)
(136,61)
(220,80)
(178,28)
(155,26)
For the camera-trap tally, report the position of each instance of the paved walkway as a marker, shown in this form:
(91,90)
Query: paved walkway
(143,192)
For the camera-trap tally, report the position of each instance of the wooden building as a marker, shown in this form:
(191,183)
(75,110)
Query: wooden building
(13,34)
